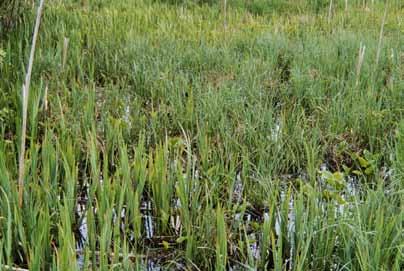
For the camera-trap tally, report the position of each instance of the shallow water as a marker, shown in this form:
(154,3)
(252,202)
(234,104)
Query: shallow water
(352,189)
(83,231)
(148,220)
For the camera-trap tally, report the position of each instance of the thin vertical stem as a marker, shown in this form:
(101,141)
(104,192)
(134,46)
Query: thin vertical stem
(361,56)
(225,14)
(379,46)
(330,11)
(65,48)
(25,95)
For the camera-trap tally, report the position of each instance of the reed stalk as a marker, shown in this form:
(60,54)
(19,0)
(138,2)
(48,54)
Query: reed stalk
(25,98)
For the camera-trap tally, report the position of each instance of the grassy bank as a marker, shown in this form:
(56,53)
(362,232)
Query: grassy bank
(172,134)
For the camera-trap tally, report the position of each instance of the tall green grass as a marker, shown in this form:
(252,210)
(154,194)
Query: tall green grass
(193,146)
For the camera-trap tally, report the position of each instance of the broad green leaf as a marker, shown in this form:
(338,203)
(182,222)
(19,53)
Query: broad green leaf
(363,162)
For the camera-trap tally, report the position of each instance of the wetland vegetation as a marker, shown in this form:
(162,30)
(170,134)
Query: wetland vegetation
(204,135)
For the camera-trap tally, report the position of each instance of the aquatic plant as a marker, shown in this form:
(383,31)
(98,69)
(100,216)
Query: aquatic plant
(158,138)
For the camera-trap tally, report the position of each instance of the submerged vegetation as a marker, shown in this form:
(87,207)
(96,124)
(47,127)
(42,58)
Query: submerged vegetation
(182,135)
